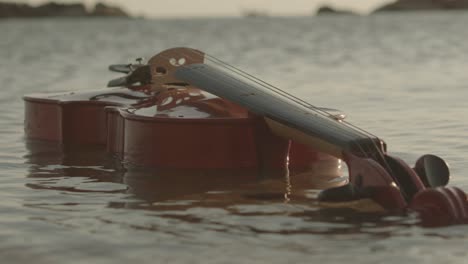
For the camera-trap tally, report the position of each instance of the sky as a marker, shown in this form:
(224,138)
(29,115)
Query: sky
(196,8)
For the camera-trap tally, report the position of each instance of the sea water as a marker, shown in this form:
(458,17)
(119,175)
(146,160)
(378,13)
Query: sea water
(401,76)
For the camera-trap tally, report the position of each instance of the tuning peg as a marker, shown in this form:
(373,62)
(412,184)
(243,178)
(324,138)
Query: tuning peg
(432,170)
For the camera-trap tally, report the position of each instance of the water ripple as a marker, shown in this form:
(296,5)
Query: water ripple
(401,76)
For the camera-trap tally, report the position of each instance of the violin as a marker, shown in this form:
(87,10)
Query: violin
(373,172)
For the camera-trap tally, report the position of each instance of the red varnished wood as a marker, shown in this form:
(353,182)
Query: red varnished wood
(179,127)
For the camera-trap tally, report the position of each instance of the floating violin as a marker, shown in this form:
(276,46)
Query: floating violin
(187,109)
(373,173)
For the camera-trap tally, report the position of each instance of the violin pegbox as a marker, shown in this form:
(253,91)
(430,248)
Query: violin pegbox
(164,64)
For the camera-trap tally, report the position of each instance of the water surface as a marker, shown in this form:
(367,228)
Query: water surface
(401,76)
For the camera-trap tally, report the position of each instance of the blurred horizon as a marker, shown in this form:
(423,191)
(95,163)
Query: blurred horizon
(214,8)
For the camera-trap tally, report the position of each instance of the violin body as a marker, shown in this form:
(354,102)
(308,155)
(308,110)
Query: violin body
(185,109)
(178,128)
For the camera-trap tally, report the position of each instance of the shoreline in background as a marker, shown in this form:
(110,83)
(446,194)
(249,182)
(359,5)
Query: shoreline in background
(52,9)
(399,5)
(423,5)
(402,5)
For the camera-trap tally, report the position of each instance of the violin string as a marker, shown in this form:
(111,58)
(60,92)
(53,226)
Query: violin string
(267,86)
(299,101)
(233,79)
(271,87)
(276,90)
(311,107)
(241,82)
(286,95)
(365,149)
(281,91)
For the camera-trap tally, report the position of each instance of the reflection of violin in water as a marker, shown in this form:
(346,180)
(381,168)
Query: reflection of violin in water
(168,117)
(89,169)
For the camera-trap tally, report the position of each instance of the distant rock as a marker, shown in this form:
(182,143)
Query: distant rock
(326,10)
(101,9)
(52,9)
(55,9)
(13,10)
(415,5)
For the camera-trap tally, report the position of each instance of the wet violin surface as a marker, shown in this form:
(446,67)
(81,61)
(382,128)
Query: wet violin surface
(186,109)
